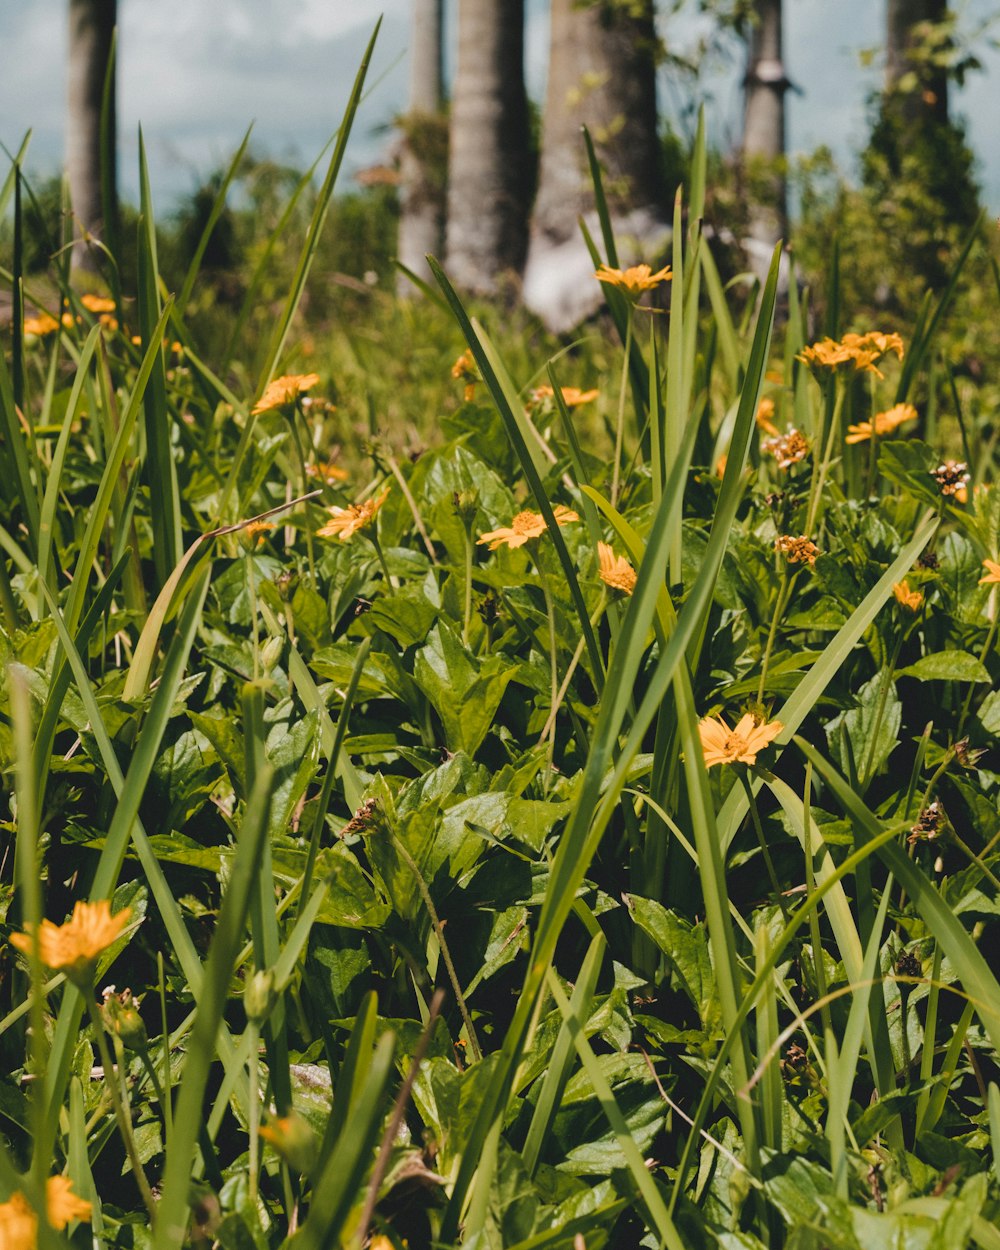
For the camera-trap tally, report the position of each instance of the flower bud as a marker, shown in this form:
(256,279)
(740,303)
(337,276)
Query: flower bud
(270,653)
(122,1019)
(259,996)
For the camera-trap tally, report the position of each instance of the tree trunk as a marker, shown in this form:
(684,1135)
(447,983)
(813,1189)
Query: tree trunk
(91,36)
(602,75)
(764,134)
(928,97)
(489,168)
(423,153)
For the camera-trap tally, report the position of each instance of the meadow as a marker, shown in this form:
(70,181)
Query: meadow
(467,789)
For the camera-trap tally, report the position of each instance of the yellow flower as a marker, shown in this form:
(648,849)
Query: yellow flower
(722,745)
(720,465)
(62,1204)
(283,391)
(634,280)
(882,423)
(907,598)
(328,473)
(765,417)
(797,550)
(572,396)
(292,1137)
(254,534)
(97,303)
(615,571)
(19,1224)
(74,946)
(344,522)
(992,574)
(465,369)
(860,350)
(524,526)
(40,326)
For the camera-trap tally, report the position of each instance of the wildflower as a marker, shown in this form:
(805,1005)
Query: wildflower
(292,1137)
(787,449)
(720,465)
(73,947)
(859,350)
(765,417)
(722,745)
(992,574)
(907,598)
(967,757)
(464,369)
(68,321)
(40,326)
(524,526)
(615,571)
(952,476)
(882,423)
(253,534)
(19,1224)
(347,521)
(327,473)
(120,1013)
(284,390)
(797,550)
(634,280)
(572,396)
(97,303)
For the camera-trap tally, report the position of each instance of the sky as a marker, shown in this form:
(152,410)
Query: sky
(196,73)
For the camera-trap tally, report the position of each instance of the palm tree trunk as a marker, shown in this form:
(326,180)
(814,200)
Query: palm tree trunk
(489,167)
(91,38)
(602,75)
(423,155)
(764,132)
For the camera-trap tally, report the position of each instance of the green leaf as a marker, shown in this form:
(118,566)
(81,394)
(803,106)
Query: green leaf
(464,691)
(947,666)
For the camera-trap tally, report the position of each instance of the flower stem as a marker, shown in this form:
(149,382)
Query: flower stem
(122,1114)
(254,624)
(372,537)
(779,607)
(819,480)
(553,658)
(253,1097)
(577,654)
(620,428)
(887,675)
(467,612)
(759,830)
(305,490)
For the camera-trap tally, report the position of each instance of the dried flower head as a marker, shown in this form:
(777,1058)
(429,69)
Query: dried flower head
(968,757)
(615,571)
(928,559)
(797,550)
(525,526)
(765,417)
(909,967)
(572,396)
(364,819)
(952,476)
(992,574)
(881,424)
(344,522)
(722,745)
(283,391)
(907,598)
(634,280)
(787,449)
(73,947)
(928,824)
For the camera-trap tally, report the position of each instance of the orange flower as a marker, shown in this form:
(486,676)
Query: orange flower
(328,473)
(19,1223)
(347,521)
(787,449)
(524,526)
(882,423)
(62,1204)
(797,550)
(40,326)
(634,280)
(253,534)
(860,350)
(992,575)
(907,598)
(615,571)
(572,396)
(73,947)
(722,745)
(465,369)
(283,391)
(97,303)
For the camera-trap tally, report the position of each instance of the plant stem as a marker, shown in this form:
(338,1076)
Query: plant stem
(553,657)
(991,634)
(254,624)
(577,654)
(883,695)
(122,1114)
(467,613)
(305,490)
(373,539)
(783,594)
(819,480)
(253,1099)
(620,428)
(759,830)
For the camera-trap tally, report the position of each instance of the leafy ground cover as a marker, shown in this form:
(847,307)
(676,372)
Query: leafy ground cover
(538,842)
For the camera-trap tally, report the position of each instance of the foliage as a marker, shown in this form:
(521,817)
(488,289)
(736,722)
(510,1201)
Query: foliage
(441,931)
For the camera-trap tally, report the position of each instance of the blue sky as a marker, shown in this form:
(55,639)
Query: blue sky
(195,73)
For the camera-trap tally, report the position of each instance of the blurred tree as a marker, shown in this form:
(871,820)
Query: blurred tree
(424,149)
(489,156)
(602,75)
(91,42)
(764,134)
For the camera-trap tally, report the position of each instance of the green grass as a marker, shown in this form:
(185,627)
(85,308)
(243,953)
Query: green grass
(443,930)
